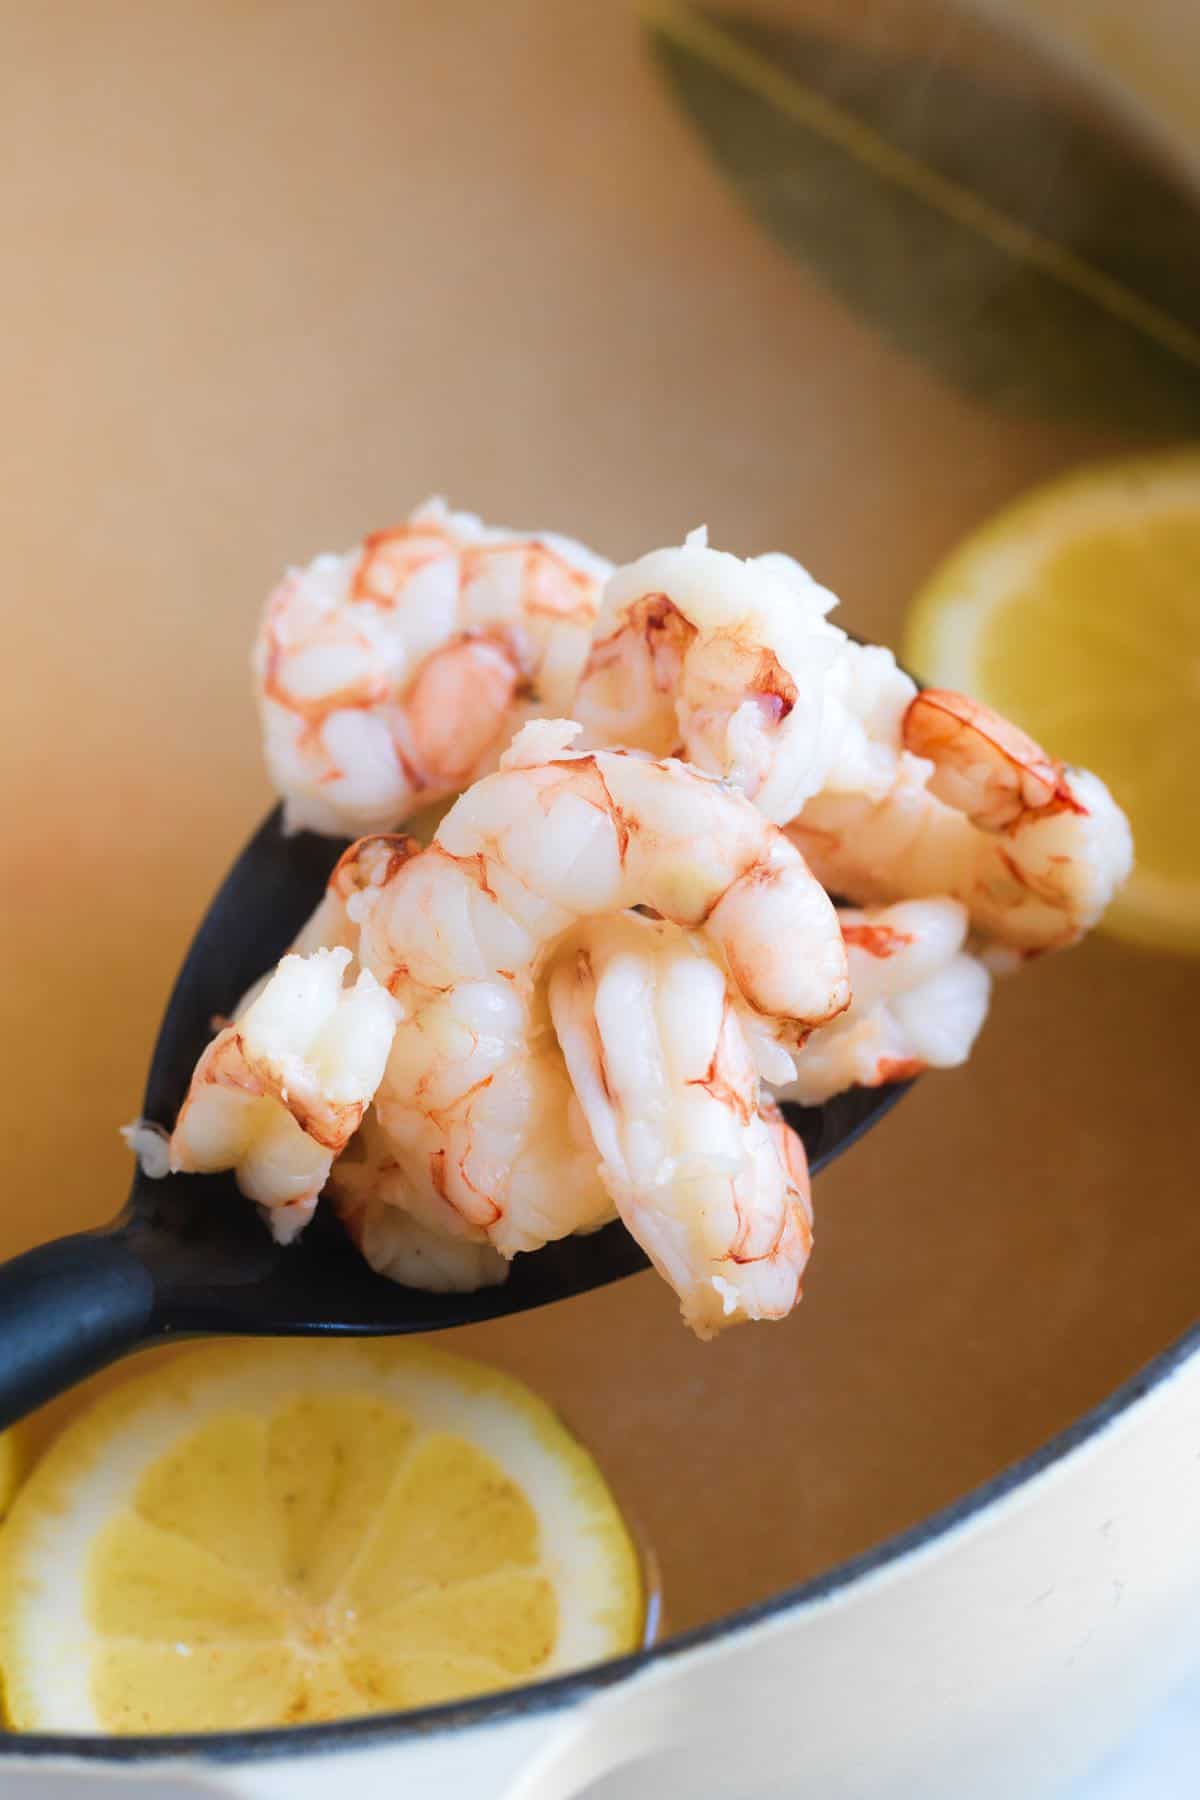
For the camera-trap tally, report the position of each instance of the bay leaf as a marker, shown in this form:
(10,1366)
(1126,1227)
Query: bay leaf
(1031,260)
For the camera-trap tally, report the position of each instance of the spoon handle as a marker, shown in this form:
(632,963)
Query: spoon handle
(66,1310)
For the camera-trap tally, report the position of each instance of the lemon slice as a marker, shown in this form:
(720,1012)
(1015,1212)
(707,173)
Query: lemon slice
(1076,611)
(275,1534)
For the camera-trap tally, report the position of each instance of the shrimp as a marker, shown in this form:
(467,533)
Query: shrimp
(890,793)
(475,1102)
(977,810)
(735,666)
(477,1110)
(473,1085)
(390,677)
(370,862)
(373,1199)
(700,1165)
(278,1094)
(919,1001)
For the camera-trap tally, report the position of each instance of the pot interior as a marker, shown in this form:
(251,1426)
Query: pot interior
(284,271)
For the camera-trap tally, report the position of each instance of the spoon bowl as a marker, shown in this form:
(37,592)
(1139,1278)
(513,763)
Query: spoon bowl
(189,1256)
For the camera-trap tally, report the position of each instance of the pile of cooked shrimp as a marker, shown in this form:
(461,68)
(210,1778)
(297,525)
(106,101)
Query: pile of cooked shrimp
(582,988)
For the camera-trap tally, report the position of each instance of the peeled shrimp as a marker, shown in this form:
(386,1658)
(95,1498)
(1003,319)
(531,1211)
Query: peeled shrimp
(701,1167)
(373,1199)
(734,666)
(919,1001)
(279,1093)
(368,863)
(478,1128)
(977,810)
(898,794)
(476,1103)
(477,1110)
(391,676)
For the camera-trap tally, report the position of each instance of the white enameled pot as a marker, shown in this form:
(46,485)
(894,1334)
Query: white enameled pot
(1000,1648)
(997,1651)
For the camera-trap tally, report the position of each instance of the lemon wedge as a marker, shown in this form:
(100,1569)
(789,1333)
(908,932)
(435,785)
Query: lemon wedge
(1076,611)
(263,1535)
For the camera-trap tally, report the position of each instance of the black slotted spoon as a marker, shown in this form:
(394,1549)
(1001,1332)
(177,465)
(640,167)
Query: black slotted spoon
(189,1257)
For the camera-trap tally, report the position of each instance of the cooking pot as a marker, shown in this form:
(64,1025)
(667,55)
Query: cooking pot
(996,1649)
(285,270)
